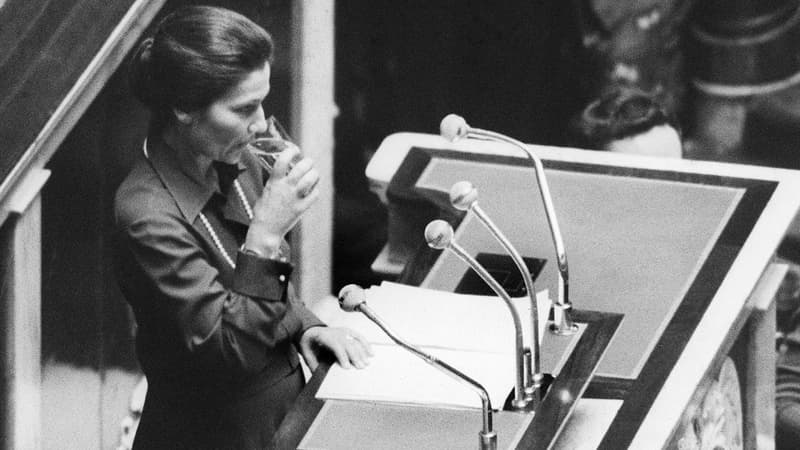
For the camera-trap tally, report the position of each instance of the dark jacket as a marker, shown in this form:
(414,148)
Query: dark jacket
(217,344)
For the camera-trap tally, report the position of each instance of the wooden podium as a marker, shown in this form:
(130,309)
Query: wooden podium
(683,249)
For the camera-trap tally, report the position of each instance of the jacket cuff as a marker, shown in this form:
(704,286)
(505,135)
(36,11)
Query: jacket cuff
(261,277)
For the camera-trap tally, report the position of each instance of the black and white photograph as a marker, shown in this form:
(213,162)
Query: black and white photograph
(393,225)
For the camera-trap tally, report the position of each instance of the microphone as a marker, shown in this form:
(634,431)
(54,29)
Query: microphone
(353,298)
(439,235)
(453,128)
(464,197)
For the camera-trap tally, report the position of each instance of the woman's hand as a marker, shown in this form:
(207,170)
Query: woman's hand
(349,347)
(290,191)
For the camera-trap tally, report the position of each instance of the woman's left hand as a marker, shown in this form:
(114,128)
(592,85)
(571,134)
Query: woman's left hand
(349,347)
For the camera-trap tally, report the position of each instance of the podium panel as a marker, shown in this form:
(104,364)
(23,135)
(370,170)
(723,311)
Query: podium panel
(624,234)
(676,246)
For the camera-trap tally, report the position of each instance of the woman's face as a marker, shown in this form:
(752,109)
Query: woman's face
(223,130)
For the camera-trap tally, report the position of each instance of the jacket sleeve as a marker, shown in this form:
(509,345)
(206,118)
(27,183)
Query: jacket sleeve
(299,318)
(228,328)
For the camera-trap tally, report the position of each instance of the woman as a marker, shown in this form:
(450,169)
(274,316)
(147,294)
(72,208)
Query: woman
(202,257)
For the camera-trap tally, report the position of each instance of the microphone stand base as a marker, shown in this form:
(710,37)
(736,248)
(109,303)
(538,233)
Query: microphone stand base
(565,325)
(488,440)
(534,394)
(563,330)
(525,405)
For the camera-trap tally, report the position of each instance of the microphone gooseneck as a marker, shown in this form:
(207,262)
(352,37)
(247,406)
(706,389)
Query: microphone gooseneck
(454,127)
(353,298)
(439,235)
(464,197)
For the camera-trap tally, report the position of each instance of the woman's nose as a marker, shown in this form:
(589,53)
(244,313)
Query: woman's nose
(260,123)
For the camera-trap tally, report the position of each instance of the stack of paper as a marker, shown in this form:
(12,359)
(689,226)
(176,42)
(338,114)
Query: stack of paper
(473,333)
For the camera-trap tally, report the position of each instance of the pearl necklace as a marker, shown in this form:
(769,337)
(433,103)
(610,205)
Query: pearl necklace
(213,233)
(207,224)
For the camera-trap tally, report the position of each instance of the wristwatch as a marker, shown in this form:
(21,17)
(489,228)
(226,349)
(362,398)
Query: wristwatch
(276,255)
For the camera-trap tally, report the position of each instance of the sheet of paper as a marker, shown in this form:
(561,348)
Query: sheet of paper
(443,319)
(396,375)
(472,333)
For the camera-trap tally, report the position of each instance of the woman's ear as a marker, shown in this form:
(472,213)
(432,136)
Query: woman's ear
(183,116)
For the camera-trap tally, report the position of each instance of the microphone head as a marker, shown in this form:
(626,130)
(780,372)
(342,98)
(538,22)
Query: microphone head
(351,297)
(453,127)
(463,195)
(438,234)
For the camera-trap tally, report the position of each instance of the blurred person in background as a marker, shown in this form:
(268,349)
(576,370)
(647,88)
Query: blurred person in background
(626,119)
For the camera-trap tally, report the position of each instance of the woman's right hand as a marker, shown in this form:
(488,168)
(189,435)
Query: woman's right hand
(289,192)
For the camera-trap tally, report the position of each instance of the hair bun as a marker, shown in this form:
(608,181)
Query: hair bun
(141,76)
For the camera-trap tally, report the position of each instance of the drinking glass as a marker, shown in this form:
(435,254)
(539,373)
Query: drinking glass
(269,144)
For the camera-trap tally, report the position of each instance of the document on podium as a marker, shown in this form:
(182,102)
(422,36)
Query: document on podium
(473,333)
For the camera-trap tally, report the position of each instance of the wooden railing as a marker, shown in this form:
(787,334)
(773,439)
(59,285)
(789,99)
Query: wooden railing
(55,56)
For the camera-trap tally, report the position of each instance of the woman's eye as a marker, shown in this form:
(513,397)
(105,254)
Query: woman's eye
(247,110)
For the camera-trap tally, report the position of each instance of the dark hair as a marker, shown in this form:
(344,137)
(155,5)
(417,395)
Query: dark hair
(195,55)
(618,113)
